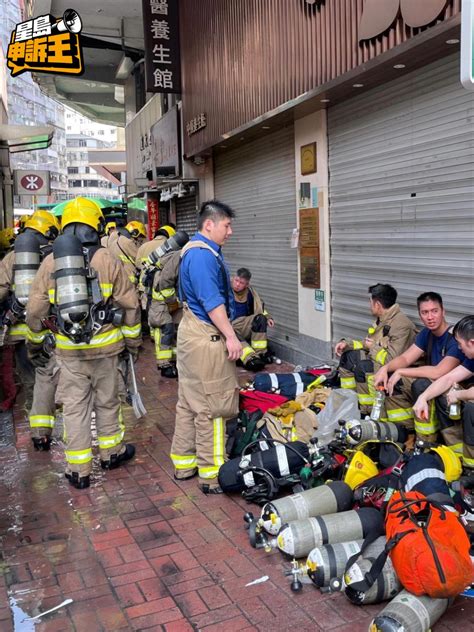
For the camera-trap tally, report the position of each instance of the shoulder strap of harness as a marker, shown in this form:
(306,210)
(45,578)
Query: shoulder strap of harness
(203,245)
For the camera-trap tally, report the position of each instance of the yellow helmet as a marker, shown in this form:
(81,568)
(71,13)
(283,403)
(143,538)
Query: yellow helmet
(44,223)
(451,462)
(83,211)
(360,468)
(22,221)
(168,229)
(7,237)
(109,226)
(136,229)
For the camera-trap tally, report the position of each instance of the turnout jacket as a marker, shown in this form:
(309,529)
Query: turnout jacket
(19,331)
(258,306)
(392,334)
(115,289)
(125,250)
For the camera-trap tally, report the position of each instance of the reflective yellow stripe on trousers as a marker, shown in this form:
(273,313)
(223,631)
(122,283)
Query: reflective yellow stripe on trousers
(187,462)
(78,456)
(348,382)
(431,425)
(246,351)
(258,345)
(218,449)
(399,415)
(161,354)
(113,440)
(41,421)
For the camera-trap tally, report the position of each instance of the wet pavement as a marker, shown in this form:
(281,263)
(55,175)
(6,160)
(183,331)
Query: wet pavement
(140,551)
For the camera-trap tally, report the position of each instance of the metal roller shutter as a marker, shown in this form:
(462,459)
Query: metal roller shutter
(186,214)
(258,181)
(401,192)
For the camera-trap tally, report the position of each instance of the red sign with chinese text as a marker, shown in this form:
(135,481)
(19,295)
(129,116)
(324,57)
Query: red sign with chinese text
(153,216)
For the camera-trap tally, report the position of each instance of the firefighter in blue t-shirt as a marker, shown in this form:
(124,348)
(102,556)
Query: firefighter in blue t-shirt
(251,322)
(459,435)
(436,347)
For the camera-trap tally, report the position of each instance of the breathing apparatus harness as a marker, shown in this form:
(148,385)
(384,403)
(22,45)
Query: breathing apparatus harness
(29,253)
(82,326)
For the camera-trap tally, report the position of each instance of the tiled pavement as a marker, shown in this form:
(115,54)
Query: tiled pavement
(139,551)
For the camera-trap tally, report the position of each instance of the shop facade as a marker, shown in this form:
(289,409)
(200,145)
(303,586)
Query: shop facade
(351,128)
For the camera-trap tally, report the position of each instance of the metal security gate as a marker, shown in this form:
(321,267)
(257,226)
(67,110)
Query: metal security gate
(258,181)
(186,214)
(401,162)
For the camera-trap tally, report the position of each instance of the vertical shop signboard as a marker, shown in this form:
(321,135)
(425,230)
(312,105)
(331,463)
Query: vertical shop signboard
(152,207)
(162,58)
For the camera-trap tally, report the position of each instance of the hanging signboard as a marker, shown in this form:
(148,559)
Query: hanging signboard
(162,58)
(152,206)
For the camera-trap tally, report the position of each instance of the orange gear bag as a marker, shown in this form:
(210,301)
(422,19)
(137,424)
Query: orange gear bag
(428,546)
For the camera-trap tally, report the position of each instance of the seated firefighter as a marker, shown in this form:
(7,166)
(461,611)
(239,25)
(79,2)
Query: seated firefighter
(388,337)
(250,322)
(438,350)
(457,427)
(159,279)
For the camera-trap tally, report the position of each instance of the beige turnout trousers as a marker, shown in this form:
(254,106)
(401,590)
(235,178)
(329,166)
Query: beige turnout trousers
(208,395)
(258,339)
(43,410)
(86,386)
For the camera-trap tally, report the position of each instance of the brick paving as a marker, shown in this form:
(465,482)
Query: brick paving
(140,551)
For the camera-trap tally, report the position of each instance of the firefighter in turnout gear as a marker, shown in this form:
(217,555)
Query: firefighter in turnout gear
(436,347)
(111,234)
(126,246)
(160,274)
(457,430)
(17,274)
(251,322)
(97,317)
(207,351)
(389,336)
(145,250)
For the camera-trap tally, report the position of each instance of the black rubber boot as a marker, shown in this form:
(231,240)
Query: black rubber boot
(255,364)
(42,444)
(116,460)
(79,482)
(169,371)
(207,489)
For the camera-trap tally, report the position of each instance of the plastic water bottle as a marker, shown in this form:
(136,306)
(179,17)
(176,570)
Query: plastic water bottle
(455,409)
(378,404)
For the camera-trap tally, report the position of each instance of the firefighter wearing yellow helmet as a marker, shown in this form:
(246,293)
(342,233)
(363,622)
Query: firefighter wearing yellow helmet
(93,329)
(17,275)
(111,234)
(7,238)
(125,247)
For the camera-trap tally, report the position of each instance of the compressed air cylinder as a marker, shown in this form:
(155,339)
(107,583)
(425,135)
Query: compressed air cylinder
(359,431)
(385,586)
(300,537)
(175,242)
(72,298)
(326,499)
(409,613)
(27,262)
(329,561)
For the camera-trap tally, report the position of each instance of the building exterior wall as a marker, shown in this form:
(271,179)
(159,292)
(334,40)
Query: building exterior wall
(315,325)
(245,58)
(82,179)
